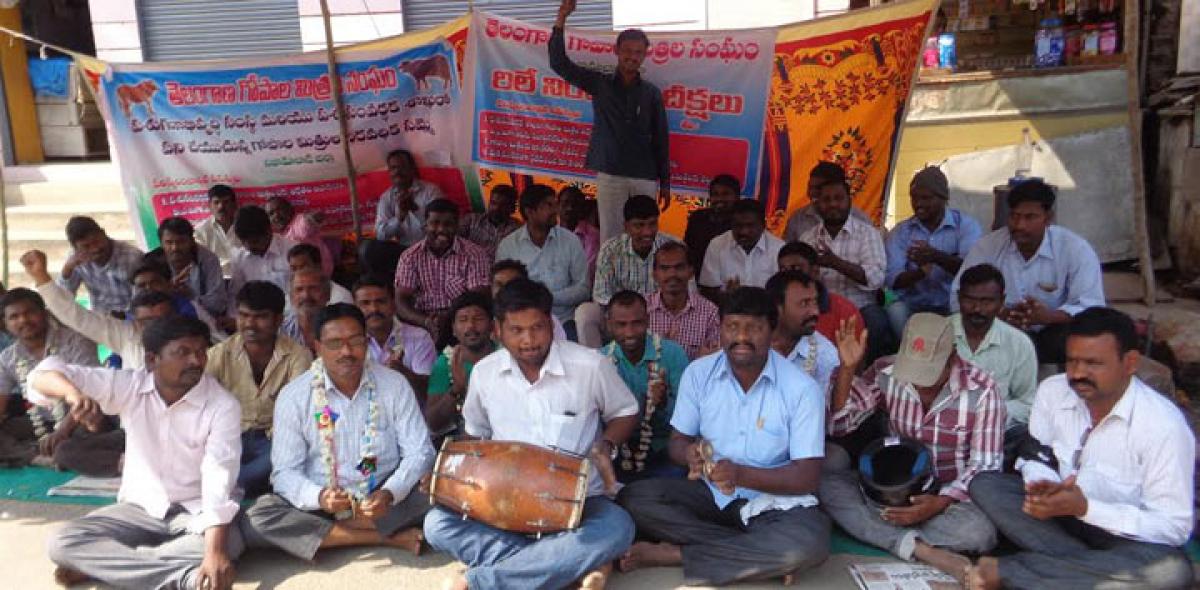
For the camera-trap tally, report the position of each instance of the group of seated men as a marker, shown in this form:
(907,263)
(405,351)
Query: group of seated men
(324,405)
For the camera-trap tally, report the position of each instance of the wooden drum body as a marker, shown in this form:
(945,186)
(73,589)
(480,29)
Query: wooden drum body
(513,486)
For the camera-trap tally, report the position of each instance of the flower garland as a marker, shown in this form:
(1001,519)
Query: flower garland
(635,461)
(58,411)
(368,464)
(810,361)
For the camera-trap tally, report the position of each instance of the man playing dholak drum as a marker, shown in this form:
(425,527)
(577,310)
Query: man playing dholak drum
(349,447)
(553,394)
(754,425)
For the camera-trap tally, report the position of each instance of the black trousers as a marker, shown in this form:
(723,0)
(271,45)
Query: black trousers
(717,548)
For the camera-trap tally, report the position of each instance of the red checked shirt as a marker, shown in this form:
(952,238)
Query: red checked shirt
(696,327)
(438,280)
(963,429)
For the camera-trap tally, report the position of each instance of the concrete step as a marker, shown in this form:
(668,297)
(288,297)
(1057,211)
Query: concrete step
(53,244)
(83,194)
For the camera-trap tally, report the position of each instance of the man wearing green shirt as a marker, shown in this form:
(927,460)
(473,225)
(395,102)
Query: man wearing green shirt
(986,341)
(651,366)
(471,324)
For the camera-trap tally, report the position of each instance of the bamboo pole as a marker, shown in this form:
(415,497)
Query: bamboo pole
(4,228)
(343,123)
(1133,85)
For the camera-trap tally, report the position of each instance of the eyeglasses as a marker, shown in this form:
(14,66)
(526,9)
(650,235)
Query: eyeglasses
(355,343)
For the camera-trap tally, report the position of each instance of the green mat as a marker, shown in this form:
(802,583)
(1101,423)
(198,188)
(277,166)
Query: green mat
(30,484)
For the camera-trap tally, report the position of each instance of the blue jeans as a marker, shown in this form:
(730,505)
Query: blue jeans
(500,559)
(255,474)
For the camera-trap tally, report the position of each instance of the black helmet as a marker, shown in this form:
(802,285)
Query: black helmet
(893,469)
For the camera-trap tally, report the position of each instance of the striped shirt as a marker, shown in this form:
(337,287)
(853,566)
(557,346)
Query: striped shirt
(858,242)
(619,268)
(478,228)
(437,280)
(696,327)
(110,286)
(963,429)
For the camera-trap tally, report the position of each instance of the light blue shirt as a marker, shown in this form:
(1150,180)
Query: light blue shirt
(560,264)
(827,359)
(1064,273)
(671,360)
(781,418)
(402,446)
(956,235)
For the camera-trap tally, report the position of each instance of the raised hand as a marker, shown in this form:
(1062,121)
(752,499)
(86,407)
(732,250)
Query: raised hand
(851,345)
(34,262)
(564,10)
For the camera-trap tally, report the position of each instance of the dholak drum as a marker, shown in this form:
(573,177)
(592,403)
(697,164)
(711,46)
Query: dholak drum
(513,486)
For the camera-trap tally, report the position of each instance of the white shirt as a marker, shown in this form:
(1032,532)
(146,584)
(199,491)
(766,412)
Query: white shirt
(725,259)
(1135,467)
(188,453)
(121,337)
(822,367)
(411,229)
(577,388)
(223,243)
(272,267)
(337,294)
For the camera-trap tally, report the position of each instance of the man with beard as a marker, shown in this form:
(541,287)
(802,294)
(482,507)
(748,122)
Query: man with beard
(744,256)
(38,336)
(754,516)
(925,251)
(704,225)
(396,345)
(472,326)
(349,448)
(629,145)
(435,270)
(835,309)
(263,255)
(215,232)
(175,524)
(806,217)
(676,311)
(549,393)
(101,263)
(652,367)
(156,277)
(989,343)
(304,228)
(122,337)
(1051,272)
(624,263)
(488,228)
(851,262)
(400,214)
(551,254)
(254,365)
(195,271)
(309,294)
(1107,502)
(796,338)
(946,404)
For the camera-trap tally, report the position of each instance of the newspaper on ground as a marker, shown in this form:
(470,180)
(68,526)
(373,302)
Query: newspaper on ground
(900,576)
(103,487)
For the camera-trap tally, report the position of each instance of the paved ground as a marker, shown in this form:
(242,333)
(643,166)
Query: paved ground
(24,528)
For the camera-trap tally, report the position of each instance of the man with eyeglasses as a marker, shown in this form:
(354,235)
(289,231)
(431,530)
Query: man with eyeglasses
(349,446)
(1104,499)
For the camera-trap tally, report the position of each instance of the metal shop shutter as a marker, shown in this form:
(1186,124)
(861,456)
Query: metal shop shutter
(204,29)
(589,14)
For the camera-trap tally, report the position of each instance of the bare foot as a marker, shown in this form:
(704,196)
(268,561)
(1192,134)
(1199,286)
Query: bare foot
(458,582)
(597,578)
(644,554)
(984,575)
(948,561)
(409,539)
(68,577)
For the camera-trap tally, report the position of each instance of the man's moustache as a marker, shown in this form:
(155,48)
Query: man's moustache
(1076,382)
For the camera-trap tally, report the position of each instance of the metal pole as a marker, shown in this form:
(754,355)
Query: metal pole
(343,123)
(4,228)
